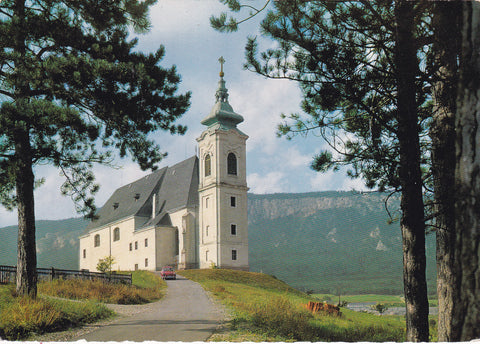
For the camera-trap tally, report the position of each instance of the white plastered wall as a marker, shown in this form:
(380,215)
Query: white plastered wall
(133,250)
(215,213)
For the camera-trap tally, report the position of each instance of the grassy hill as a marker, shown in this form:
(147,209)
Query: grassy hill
(266,309)
(327,242)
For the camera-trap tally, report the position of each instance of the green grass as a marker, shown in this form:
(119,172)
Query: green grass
(146,287)
(21,317)
(266,309)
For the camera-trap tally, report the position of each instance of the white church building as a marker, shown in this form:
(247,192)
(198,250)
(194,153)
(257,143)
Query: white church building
(189,215)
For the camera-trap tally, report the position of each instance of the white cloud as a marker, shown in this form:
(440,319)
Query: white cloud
(335,181)
(294,158)
(328,181)
(261,104)
(270,183)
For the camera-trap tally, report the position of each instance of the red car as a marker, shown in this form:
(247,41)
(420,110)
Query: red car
(168,273)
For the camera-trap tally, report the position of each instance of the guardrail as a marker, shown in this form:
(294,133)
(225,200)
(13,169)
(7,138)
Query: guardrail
(8,275)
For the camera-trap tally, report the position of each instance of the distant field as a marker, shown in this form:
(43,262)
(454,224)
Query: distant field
(392,300)
(361,298)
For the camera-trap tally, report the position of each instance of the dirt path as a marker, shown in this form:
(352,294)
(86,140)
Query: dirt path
(186,314)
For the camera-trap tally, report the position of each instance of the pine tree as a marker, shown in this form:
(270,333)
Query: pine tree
(74,91)
(365,95)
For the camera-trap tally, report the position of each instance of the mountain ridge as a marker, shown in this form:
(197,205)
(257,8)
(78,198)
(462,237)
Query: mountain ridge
(328,241)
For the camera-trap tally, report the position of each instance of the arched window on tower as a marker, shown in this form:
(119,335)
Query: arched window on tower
(232,164)
(208,165)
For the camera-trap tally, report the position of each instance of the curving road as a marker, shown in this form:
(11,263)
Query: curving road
(186,314)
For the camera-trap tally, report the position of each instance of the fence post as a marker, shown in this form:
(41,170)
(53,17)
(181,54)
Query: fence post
(53,273)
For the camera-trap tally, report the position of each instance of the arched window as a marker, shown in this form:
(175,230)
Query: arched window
(208,165)
(116,234)
(96,240)
(232,164)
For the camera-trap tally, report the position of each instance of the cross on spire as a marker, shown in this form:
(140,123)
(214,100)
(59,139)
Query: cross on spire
(222,61)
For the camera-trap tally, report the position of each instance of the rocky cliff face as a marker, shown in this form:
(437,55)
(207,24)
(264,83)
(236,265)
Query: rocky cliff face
(276,206)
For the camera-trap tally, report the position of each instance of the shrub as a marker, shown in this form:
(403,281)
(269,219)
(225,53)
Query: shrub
(380,307)
(23,316)
(105,264)
(283,318)
(100,291)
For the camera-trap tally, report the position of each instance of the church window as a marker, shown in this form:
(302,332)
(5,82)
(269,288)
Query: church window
(116,234)
(130,246)
(206,202)
(208,165)
(146,242)
(234,254)
(136,267)
(206,230)
(206,256)
(233,229)
(136,245)
(233,201)
(232,164)
(146,262)
(96,240)
(84,253)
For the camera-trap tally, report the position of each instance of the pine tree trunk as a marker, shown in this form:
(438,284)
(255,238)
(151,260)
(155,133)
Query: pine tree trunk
(26,255)
(446,22)
(412,221)
(467,207)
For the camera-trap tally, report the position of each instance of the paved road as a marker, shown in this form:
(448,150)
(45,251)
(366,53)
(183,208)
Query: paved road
(185,314)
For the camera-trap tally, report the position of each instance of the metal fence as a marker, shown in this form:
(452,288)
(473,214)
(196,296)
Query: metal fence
(8,275)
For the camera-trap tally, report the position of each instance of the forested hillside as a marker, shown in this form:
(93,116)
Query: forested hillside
(57,243)
(324,241)
(330,241)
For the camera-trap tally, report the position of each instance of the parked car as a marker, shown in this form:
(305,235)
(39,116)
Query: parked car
(168,273)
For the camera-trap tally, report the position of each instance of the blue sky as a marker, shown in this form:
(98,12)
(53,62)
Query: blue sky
(273,164)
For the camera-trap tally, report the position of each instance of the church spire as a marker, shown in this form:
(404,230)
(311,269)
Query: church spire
(222,61)
(222,112)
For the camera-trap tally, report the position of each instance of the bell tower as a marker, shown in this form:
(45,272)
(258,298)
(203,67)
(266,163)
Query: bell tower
(223,231)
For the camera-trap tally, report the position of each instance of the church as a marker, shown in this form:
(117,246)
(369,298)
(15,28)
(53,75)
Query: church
(189,215)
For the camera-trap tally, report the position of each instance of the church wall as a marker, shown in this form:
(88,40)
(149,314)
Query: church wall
(91,253)
(140,255)
(165,238)
(208,228)
(234,228)
(185,220)
(133,249)
(232,141)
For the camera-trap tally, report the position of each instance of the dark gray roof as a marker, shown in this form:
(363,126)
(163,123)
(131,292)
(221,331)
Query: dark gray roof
(175,187)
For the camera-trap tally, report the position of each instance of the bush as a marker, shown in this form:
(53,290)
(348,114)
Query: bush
(380,307)
(105,264)
(100,291)
(282,318)
(23,316)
